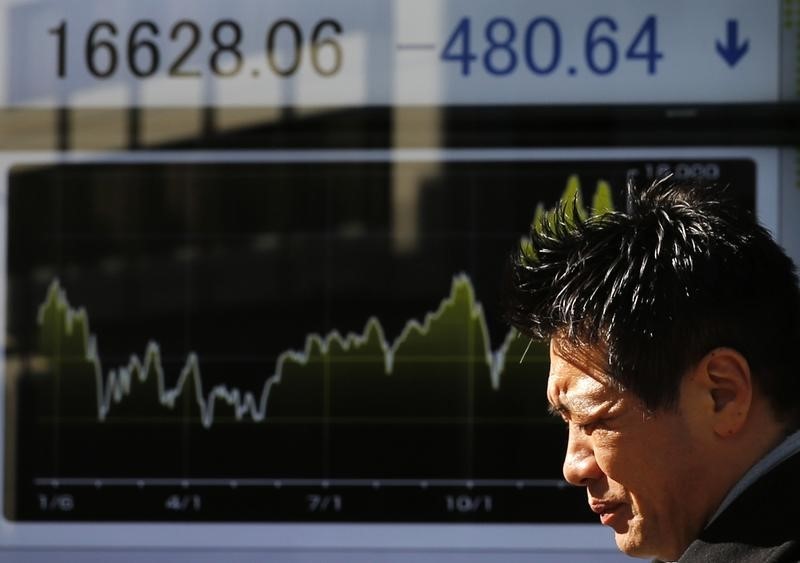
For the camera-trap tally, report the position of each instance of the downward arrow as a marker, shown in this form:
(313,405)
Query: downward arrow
(732,52)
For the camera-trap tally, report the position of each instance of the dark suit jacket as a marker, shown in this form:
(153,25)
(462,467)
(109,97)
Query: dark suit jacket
(762,525)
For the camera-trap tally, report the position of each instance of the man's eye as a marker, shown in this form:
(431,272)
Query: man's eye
(589,426)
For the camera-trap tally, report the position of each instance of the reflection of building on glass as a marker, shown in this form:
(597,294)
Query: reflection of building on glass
(229,194)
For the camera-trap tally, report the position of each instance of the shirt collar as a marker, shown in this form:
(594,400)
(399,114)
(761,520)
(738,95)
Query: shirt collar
(783,451)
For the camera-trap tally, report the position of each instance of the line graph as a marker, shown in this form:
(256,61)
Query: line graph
(247,342)
(66,335)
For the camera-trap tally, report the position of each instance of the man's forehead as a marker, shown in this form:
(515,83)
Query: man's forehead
(574,385)
(578,393)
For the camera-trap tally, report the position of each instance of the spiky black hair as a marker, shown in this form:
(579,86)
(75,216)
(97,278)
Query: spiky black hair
(684,270)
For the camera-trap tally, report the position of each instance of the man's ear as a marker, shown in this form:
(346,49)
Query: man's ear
(724,374)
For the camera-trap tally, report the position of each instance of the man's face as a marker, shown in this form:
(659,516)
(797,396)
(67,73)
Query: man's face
(643,471)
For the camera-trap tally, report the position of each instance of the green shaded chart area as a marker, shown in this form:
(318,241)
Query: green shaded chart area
(365,370)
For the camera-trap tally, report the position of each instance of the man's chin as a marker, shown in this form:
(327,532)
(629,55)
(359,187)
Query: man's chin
(629,539)
(634,545)
(630,547)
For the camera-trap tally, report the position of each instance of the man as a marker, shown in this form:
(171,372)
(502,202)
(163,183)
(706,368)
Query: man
(674,336)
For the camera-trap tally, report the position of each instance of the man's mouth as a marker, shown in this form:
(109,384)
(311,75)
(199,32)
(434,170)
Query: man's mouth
(606,510)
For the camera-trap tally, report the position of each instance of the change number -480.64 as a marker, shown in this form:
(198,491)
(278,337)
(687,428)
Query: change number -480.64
(541,46)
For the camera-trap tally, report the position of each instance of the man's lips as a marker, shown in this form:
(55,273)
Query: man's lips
(605,509)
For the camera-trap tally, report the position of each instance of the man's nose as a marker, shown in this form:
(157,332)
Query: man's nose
(580,465)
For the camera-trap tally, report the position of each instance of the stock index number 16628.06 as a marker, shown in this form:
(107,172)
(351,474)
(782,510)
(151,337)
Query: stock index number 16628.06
(144,48)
